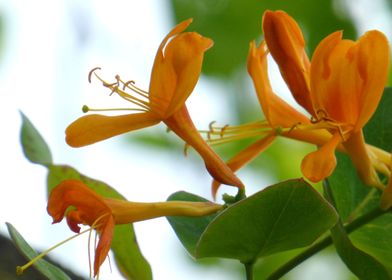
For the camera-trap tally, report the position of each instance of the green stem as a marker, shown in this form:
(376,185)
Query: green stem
(324,243)
(249,270)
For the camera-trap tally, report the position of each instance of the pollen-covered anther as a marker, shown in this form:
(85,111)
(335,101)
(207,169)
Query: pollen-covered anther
(92,71)
(223,129)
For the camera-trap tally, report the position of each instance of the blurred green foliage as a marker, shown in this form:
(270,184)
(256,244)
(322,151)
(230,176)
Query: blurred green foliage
(232,24)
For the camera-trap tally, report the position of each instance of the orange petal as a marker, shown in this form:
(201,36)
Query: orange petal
(245,156)
(348,78)
(287,46)
(93,128)
(318,165)
(89,205)
(335,82)
(105,241)
(373,66)
(185,53)
(176,69)
(181,123)
(276,110)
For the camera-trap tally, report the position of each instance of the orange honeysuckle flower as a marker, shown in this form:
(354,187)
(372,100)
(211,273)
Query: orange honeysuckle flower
(340,89)
(347,81)
(81,205)
(174,75)
(343,86)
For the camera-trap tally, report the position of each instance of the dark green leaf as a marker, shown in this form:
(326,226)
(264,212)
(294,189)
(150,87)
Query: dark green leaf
(189,229)
(375,238)
(378,131)
(359,262)
(124,244)
(47,269)
(284,216)
(34,146)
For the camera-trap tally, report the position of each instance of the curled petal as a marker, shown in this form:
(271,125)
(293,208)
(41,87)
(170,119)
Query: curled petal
(105,241)
(373,67)
(348,78)
(93,128)
(318,165)
(287,46)
(275,109)
(176,69)
(334,80)
(89,205)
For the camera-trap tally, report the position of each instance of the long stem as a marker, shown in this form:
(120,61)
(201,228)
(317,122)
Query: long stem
(324,243)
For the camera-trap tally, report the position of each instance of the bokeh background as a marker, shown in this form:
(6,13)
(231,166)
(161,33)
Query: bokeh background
(47,49)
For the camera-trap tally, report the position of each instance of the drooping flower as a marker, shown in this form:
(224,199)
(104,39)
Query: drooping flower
(81,205)
(340,89)
(174,75)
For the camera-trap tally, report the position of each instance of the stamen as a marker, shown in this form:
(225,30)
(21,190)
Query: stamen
(87,109)
(115,88)
(21,269)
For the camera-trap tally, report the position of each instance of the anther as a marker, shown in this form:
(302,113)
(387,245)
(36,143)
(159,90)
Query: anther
(85,109)
(131,82)
(92,72)
(210,126)
(222,132)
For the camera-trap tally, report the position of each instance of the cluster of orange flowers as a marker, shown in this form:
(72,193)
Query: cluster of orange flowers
(340,88)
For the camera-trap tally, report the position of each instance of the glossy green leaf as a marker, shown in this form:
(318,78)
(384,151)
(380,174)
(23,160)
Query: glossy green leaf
(189,229)
(34,146)
(47,269)
(124,246)
(281,217)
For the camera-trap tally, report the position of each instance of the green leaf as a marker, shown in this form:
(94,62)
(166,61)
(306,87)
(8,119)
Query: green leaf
(281,217)
(124,246)
(359,262)
(378,131)
(34,146)
(47,269)
(189,229)
(375,238)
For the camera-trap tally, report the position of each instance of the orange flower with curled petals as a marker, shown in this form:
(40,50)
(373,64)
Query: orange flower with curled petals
(339,107)
(340,89)
(347,81)
(174,75)
(81,205)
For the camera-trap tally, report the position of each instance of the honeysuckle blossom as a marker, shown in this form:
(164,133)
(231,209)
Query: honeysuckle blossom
(340,89)
(174,75)
(81,205)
